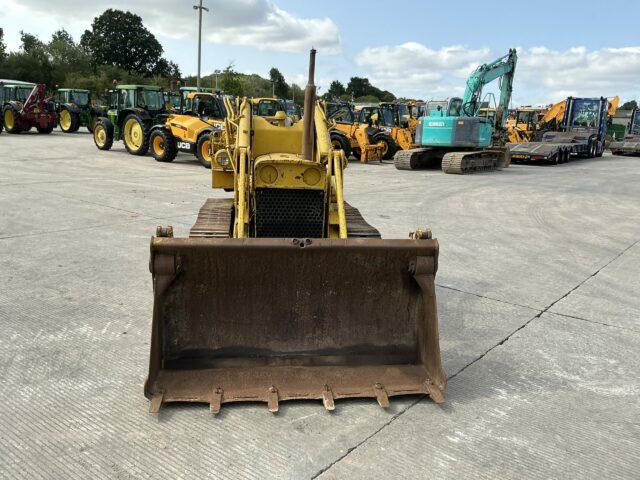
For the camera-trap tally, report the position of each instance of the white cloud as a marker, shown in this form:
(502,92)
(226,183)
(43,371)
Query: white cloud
(552,74)
(543,75)
(414,70)
(257,23)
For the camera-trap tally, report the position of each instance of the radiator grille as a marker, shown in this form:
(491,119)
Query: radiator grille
(287,213)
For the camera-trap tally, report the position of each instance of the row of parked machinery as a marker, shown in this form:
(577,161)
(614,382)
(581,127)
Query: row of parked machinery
(463,134)
(283,291)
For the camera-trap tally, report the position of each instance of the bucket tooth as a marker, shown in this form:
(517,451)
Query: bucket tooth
(216,401)
(327,398)
(156,402)
(381,395)
(434,392)
(272,399)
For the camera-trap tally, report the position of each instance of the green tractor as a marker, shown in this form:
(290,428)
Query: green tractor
(132,111)
(76,109)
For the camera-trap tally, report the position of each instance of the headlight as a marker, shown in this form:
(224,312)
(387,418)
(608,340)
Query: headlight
(222,158)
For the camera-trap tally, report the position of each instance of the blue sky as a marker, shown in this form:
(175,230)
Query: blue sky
(416,48)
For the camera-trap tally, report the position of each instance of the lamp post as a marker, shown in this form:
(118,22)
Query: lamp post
(200,8)
(217,73)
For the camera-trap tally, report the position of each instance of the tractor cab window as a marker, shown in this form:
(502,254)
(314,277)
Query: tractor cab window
(585,114)
(22,93)
(267,108)
(173,99)
(112,98)
(127,99)
(79,98)
(150,99)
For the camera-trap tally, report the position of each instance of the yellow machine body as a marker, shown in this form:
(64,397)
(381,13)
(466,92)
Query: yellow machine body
(283,291)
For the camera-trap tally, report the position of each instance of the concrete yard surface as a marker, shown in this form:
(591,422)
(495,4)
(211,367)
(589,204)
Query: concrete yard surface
(538,297)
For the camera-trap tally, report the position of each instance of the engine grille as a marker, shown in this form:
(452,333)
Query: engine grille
(289,213)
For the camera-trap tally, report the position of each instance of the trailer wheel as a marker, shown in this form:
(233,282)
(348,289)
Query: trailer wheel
(163,146)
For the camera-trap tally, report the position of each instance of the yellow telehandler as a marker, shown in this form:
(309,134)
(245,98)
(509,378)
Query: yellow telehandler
(284,292)
(190,131)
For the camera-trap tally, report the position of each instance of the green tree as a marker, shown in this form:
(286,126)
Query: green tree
(30,43)
(297,94)
(361,87)
(629,105)
(67,57)
(3,46)
(31,63)
(280,87)
(120,39)
(166,68)
(336,90)
(230,82)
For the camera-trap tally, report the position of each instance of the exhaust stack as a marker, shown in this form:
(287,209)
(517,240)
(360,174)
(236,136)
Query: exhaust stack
(308,128)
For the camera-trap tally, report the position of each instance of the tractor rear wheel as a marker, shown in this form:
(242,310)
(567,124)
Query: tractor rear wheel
(389,146)
(163,146)
(69,121)
(103,134)
(203,150)
(136,140)
(10,119)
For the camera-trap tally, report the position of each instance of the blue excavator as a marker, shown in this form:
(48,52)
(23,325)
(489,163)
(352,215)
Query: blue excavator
(466,137)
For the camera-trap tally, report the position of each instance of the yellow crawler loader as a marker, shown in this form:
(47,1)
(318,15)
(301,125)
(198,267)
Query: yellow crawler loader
(284,292)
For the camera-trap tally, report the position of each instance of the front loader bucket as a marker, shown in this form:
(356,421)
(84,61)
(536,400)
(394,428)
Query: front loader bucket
(273,319)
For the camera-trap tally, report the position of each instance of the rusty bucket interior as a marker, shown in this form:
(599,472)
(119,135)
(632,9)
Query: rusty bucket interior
(278,319)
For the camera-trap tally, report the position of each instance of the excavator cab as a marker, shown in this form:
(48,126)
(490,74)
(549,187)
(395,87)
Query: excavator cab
(283,291)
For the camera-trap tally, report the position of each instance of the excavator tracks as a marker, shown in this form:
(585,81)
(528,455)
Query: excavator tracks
(470,162)
(411,159)
(215,220)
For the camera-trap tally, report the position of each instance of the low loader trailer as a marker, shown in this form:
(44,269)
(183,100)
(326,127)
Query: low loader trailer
(582,133)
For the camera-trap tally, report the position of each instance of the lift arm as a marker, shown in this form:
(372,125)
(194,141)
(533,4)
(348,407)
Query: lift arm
(504,68)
